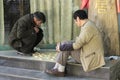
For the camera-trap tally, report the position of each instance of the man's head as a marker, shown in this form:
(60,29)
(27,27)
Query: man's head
(39,18)
(80,16)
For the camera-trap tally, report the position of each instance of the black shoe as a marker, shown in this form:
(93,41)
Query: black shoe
(24,54)
(20,53)
(55,72)
(33,51)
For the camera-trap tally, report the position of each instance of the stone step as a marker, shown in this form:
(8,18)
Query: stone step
(76,69)
(10,73)
(12,59)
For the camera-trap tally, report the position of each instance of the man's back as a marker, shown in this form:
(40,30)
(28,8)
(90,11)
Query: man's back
(92,51)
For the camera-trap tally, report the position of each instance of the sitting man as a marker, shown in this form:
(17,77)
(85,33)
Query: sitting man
(26,34)
(87,49)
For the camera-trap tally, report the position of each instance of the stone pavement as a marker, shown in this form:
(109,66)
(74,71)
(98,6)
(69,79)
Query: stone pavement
(9,73)
(17,67)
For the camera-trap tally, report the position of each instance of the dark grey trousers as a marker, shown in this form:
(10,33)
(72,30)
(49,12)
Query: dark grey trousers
(62,57)
(25,47)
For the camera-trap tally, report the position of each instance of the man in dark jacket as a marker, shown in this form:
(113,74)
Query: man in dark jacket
(26,34)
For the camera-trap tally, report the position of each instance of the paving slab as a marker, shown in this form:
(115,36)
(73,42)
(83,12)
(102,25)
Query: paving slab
(9,73)
(46,60)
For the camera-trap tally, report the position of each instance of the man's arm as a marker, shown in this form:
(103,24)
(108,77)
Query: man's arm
(22,30)
(66,46)
(85,36)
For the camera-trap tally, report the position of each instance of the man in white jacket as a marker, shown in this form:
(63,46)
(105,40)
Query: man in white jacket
(87,48)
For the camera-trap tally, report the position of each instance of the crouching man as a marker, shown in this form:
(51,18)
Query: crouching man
(87,48)
(26,33)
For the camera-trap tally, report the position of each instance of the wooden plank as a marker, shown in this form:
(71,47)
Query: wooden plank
(1,23)
(104,14)
(50,20)
(56,20)
(66,19)
(33,6)
(41,5)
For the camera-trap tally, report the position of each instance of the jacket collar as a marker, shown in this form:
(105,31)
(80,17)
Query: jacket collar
(85,23)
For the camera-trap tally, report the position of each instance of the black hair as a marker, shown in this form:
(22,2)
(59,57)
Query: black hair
(39,15)
(81,14)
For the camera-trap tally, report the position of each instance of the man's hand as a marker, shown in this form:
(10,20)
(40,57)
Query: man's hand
(58,47)
(36,29)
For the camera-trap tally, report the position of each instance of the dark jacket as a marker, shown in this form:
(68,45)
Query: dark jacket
(23,32)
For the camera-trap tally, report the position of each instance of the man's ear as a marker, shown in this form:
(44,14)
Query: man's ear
(77,18)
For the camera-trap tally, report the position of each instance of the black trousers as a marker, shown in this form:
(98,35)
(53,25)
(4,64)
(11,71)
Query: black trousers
(28,48)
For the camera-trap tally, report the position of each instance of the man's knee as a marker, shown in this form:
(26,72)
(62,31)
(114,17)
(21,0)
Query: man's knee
(17,44)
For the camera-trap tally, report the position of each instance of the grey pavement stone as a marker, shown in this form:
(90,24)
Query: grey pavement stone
(9,73)
(32,66)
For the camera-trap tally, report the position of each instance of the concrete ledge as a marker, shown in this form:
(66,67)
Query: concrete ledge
(77,70)
(11,59)
(10,73)
(25,63)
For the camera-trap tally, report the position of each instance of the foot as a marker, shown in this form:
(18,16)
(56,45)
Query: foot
(55,72)
(24,54)
(33,51)
(20,53)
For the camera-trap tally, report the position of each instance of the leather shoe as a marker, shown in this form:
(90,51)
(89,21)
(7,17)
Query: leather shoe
(24,54)
(55,72)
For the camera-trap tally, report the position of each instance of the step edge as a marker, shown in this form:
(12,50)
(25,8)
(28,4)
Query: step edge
(18,58)
(18,76)
(103,67)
